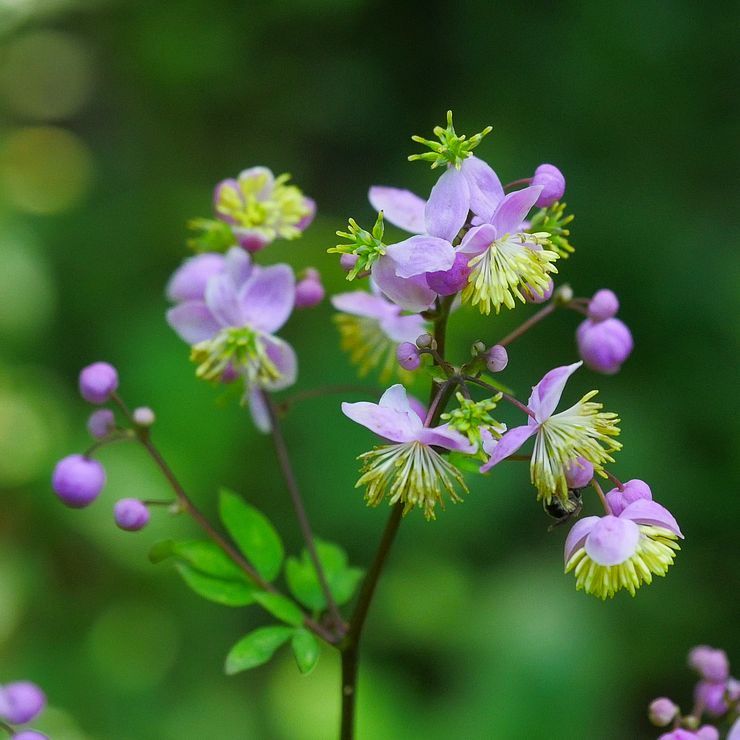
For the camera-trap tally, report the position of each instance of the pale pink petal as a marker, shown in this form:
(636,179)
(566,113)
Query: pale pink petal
(443,436)
(188,282)
(361,303)
(238,265)
(253,173)
(508,445)
(651,513)
(486,191)
(255,398)
(306,221)
(411,294)
(397,426)
(403,328)
(395,398)
(448,205)
(267,298)
(193,321)
(420,254)
(251,239)
(284,358)
(401,208)
(223,302)
(478,239)
(577,535)
(612,540)
(546,394)
(513,209)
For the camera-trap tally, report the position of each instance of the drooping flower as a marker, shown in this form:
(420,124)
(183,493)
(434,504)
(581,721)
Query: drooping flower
(371,328)
(409,470)
(231,328)
(610,553)
(583,430)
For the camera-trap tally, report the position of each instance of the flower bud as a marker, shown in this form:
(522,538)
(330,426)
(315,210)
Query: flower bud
(711,664)
(131,514)
(426,341)
(678,734)
(662,712)
(29,735)
(563,295)
(603,305)
(497,358)
(579,473)
(709,732)
(309,291)
(532,296)
(21,702)
(101,423)
(348,261)
(144,416)
(408,356)
(632,491)
(711,696)
(78,480)
(604,345)
(97,382)
(449,282)
(478,348)
(551,179)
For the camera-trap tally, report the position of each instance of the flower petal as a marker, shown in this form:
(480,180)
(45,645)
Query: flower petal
(485,187)
(284,358)
(478,239)
(546,394)
(508,445)
(411,294)
(651,513)
(612,540)
(448,206)
(513,209)
(193,322)
(577,535)
(403,328)
(420,254)
(188,282)
(238,265)
(395,398)
(267,298)
(223,302)
(400,207)
(255,398)
(362,303)
(397,426)
(443,436)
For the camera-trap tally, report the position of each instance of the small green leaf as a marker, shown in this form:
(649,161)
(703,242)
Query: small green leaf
(253,533)
(208,558)
(161,551)
(344,583)
(436,373)
(281,607)
(305,649)
(497,384)
(467,463)
(220,591)
(256,648)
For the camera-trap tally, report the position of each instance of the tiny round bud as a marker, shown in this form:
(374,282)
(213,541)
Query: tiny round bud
(711,696)
(603,305)
(711,664)
(563,295)
(579,473)
(532,296)
(449,282)
(497,358)
(131,514)
(309,292)
(97,382)
(21,702)
(30,735)
(709,732)
(408,356)
(551,179)
(426,341)
(478,348)
(100,423)
(604,345)
(144,416)
(78,480)
(348,261)
(662,711)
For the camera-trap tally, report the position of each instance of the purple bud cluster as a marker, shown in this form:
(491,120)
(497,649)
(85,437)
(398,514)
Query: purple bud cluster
(22,702)
(604,342)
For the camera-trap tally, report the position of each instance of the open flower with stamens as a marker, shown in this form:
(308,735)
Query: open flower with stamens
(371,328)
(409,470)
(610,553)
(583,430)
(230,321)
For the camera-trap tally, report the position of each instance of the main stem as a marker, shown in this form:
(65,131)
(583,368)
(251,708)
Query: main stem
(350,647)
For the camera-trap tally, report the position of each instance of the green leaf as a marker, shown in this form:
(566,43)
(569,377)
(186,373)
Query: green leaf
(161,551)
(305,649)
(256,648)
(497,384)
(436,373)
(344,584)
(220,591)
(253,533)
(281,607)
(468,463)
(208,558)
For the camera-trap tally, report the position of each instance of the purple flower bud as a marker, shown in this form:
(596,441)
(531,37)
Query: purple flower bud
(711,696)
(78,480)
(710,663)
(97,382)
(309,292)
(21,702)
(632,491)
(408,356)
(348,261)
(100,423)
(679,734)
(131,514)
(709,732)
(579,473)
(604,345)
(29,735)
(144,416)
(662,711)
(603,305)
(551,179)
(497,358)
(449,282)
(532,296)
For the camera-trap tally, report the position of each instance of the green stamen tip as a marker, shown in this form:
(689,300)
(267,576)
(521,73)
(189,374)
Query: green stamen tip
(367,246)
(451,149)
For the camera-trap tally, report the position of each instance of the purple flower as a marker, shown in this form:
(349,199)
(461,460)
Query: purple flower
(78,480)
(21,702)
(552,182)
(409,469)
(309,291)
(100,423)
(30,735)
(372,327)
(604,345)
(710,663)
(707,732)
(97,382)
(711,696)
(662,712)
(260,208)
(734,733)
(131,514)
(188,283)
(582,431)
(604,305)
(609,553)
(632,490)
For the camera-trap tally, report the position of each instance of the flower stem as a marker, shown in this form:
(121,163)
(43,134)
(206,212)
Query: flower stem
(528,324)
(291,483)
(600,492)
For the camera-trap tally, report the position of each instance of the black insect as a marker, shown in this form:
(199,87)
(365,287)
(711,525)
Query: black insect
(563,511)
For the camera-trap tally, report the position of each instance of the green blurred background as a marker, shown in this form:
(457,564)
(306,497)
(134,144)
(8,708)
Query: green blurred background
(116,119)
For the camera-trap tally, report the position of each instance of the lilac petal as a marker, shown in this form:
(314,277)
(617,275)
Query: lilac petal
(651,513)
(401,208)
(513,209)
(478,239)
(612,540)
(255,398)
(485,187)
(223,302)
(284,358)
(546,394)
(448,206)
(450,439)
(253,173)
(395,398)
(411,294)
(362,303)
(633,490)
(251,239)
(420,254)
(449,282)
(577,535)
(188,282)
(238,265)
(193,322)
(305,222)
(397,426)
(267,298)
(508,445)
(403,328)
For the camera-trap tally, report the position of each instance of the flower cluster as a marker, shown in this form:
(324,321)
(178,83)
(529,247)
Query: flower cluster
(716,694)
(21,702)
